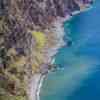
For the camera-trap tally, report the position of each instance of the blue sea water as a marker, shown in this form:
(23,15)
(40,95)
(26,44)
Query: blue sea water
(79,76)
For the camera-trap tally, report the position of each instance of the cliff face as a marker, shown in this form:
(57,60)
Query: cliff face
(31,32)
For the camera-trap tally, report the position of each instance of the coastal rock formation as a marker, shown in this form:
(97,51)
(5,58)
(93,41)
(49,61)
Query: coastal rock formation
(31,32)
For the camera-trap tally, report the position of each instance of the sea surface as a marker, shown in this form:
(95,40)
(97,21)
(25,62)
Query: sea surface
(78,77)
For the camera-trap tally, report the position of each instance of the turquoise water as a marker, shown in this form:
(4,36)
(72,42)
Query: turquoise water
(79,76)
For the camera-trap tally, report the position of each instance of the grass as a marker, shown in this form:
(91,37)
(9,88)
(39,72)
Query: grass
(40,39)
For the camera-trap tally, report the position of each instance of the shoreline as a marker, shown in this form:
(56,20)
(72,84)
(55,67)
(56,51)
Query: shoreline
(35,86)
(37,79)
(41,82)
(39,86)
(58,29)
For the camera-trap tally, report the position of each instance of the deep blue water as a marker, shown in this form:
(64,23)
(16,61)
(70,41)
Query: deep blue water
(80,79)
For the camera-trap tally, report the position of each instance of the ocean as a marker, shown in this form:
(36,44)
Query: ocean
(78,77)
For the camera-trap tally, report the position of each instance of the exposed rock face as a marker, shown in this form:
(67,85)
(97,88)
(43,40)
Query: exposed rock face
(29,38)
